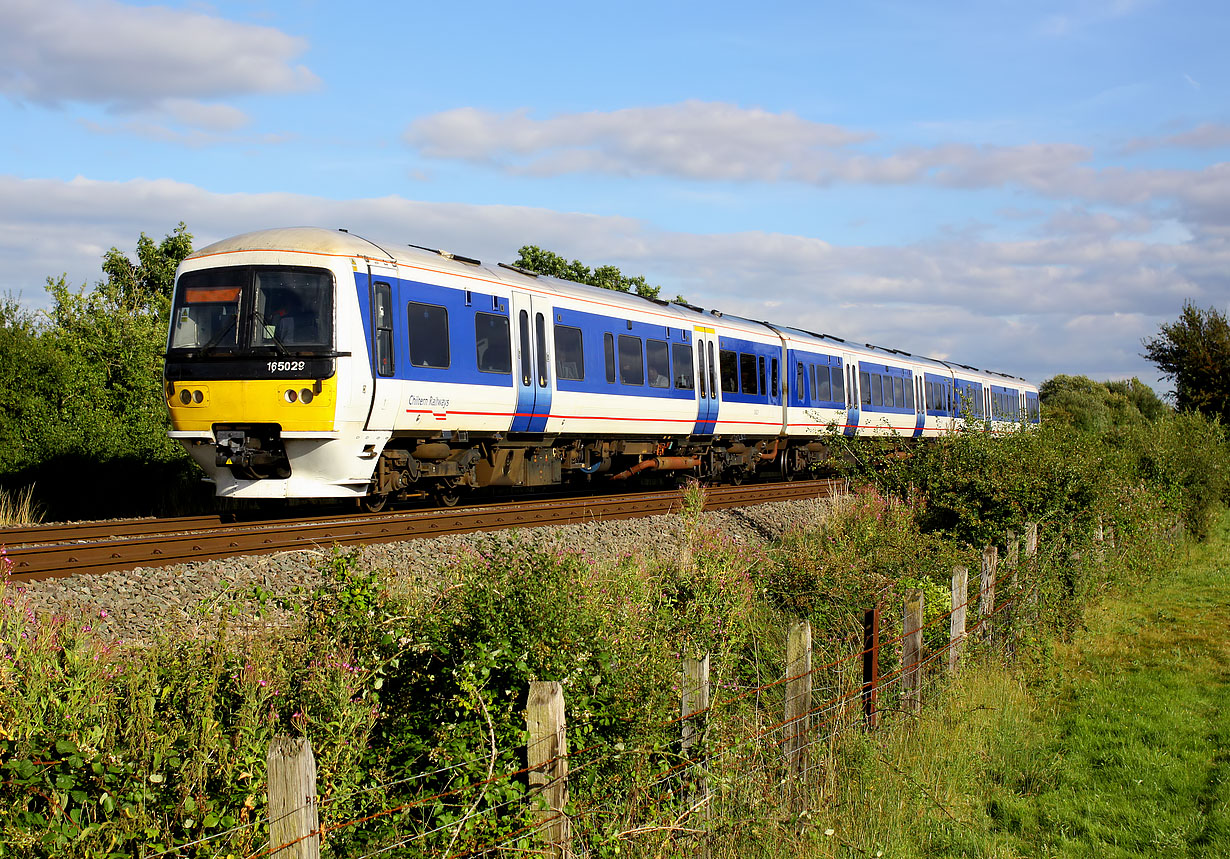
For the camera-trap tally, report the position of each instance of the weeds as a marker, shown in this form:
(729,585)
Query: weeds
(18,507)
(404,691)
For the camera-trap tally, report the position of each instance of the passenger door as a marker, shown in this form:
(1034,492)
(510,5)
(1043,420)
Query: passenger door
(383,303)
(708,390)
(532,369)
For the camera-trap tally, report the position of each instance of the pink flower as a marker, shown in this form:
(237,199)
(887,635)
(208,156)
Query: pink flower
(103,614)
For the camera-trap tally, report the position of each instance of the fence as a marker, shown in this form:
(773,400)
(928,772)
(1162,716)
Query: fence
(767,732)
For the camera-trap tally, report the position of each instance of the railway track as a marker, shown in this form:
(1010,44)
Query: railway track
(45,552)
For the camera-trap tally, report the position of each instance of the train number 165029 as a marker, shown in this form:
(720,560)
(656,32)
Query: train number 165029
(286,366)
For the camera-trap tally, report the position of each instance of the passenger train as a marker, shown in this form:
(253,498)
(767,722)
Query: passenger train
(312,363)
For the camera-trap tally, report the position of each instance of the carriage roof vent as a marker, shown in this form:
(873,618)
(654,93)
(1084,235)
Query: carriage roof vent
(688,306)
(716,313)
(519,270)
(447,255)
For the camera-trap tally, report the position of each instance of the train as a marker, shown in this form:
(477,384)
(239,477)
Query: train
(310,363)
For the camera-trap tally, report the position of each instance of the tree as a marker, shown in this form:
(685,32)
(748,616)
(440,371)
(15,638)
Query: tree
(1097,406)
(1195,353)
(535,259)
(81,384)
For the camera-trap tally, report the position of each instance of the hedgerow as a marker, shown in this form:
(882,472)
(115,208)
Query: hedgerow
(411,689)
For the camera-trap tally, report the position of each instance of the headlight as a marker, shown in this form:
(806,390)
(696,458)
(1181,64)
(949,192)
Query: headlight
(305,396)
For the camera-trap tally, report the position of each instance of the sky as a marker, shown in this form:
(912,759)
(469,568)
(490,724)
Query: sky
(1030,187)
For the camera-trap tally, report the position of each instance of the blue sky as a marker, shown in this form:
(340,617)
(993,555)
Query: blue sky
(1030,187)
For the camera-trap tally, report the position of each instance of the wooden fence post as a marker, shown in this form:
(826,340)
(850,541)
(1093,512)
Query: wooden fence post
(547,757)
(1031,559)
(798,694)
(956,620)
(1014,550)
(694,702)
(986,593)
(294,819)
(911,653)
(694,707)
(871,667)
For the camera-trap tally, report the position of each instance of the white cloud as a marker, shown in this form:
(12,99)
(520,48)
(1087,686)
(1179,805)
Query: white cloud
(1209,135)
(719,142)
(142,57)
(1077,302)
(699,140)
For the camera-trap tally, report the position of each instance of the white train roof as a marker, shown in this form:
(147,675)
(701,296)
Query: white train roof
(340,243)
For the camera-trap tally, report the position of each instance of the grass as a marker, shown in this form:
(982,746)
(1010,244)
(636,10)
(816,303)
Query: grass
(19,508)
(1118,747)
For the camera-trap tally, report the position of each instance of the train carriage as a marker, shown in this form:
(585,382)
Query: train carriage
(309,363)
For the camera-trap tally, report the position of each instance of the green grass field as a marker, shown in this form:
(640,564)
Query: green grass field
(1119,746)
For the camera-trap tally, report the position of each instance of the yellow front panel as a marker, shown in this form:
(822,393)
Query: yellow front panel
(261,401)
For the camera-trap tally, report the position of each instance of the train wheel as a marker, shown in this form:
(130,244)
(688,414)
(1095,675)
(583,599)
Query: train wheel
(786,462)
(448,494)
(374,503)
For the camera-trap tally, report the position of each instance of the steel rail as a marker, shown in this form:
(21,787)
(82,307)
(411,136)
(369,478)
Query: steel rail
(166,547)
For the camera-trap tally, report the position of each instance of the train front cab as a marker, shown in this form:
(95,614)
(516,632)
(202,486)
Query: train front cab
(255,382)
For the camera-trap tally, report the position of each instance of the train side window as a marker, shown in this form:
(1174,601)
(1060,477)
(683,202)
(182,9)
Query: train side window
(864,386)
(523,324)
(608,351)
(540,336)
(492,344)
(838,394)
(569,353)
(631,361)
(909,393)
(877,389)
(428,335)
(713,382)
(775,379)
(681,366)
(657,361)
(824,390)
(762,390)
(800,383)
(730,370)
(898,392)
(700,358)
(382,313)
(747,373)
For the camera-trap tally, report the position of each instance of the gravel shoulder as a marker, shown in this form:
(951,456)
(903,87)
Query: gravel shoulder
(256,593)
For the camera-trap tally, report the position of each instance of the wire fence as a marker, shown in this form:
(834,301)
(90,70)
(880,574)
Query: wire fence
(750,744)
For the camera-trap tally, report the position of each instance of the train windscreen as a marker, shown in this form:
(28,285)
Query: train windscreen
(253,310)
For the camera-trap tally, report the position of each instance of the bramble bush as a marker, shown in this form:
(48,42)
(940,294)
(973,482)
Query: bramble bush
(412,688)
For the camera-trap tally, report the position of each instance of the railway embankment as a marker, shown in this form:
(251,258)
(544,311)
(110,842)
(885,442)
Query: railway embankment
(262,593)
(410,678)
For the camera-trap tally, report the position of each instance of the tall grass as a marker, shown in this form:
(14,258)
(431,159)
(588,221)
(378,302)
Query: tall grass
(411,688)
(18,507)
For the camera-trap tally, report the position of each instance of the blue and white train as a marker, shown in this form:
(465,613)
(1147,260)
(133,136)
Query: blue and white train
(311,363)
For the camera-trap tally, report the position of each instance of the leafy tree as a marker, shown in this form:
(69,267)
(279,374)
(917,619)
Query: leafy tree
(535,259)
(81,399)
(1083,403)
(1195,353)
